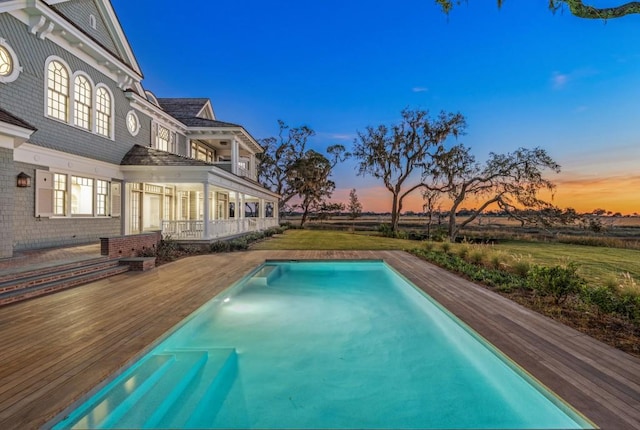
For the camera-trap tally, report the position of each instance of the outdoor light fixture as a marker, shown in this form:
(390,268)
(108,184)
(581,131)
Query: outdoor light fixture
(24,180)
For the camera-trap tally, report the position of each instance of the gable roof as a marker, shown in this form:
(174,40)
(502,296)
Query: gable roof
(182,108)
(146,156)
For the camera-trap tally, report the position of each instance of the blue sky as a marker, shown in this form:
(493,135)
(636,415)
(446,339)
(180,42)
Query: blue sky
(521,75)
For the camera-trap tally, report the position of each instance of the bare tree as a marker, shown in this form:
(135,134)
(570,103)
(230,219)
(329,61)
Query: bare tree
(511,181)
(393,153)
(431,204)
(576,7)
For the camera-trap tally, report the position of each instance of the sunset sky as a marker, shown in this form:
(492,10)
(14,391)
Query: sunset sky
(521,75)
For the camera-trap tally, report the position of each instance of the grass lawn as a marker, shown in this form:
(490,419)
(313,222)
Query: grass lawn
(332,240)
(596,264)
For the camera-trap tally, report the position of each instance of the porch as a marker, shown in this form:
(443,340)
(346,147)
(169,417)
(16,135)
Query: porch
(214,229)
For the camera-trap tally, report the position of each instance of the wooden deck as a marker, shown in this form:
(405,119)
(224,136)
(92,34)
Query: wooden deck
(54,349)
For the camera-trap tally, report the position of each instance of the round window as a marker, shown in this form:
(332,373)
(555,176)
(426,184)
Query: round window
(6,62)
(133,125)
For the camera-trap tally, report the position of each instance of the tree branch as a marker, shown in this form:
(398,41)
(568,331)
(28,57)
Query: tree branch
(579,9)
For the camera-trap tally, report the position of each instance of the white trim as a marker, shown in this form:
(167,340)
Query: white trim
(12,136)
(48,61)
(207,111)
(138,125)
(145,106)
(111,114)
(15,66)
(45,22)
(72,100)
(64,162)
(151,98)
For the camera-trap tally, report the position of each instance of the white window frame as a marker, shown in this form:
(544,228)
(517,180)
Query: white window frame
(133,114)
(97,112)
(73,101)
(46,89)
(172,145)
(46,195)
(16,69)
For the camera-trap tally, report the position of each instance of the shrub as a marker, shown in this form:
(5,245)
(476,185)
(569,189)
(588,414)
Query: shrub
(446,247)
(428,245)
(239,244)
(520,266)
(558,282)
(477,256)
(496,260)
(220,246)
(463,251)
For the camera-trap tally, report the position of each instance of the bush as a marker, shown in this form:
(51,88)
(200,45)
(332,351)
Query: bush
(558,282)
(477,256)
(446,247)
(220,246)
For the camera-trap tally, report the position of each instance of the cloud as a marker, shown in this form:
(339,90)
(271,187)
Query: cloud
(419,89)
(559,80)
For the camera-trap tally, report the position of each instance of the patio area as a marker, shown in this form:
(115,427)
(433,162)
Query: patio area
(56,348)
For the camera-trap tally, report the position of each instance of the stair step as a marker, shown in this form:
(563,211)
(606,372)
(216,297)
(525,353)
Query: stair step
(13,296)
(54,274)
(122,393)
(265,275)
(13,275)
(180,385)
(173,385)
(200,408)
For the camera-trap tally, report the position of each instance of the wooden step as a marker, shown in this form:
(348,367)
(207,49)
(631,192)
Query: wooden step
(55,283)
(18,274)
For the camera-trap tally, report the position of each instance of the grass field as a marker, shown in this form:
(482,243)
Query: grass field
(596,264)
(333,240)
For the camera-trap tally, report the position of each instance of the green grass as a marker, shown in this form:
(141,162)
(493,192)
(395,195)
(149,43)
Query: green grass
(332,240)
(595,263)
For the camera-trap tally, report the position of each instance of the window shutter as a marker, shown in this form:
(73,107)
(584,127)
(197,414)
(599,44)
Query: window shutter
(44,194)
(116,202)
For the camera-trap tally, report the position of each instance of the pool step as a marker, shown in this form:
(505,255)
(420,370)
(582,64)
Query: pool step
(163,388)
(264,276)
(26,285)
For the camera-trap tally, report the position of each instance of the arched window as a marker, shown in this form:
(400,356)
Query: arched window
(57,91)
(82,102)
(103,112)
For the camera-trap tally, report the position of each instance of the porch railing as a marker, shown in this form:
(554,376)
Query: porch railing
(194,229)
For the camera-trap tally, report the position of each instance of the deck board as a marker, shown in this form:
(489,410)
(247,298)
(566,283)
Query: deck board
(57,348)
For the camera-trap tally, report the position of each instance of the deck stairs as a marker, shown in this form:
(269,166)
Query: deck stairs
(22,285)
(180,388)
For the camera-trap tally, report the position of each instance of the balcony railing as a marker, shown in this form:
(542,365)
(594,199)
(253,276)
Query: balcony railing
(194,229)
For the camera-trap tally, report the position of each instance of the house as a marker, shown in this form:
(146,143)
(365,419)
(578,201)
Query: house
(86,152)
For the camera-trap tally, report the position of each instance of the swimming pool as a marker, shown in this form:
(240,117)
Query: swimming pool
(323,345)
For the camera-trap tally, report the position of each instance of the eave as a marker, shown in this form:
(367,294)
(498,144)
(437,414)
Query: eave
(45,23)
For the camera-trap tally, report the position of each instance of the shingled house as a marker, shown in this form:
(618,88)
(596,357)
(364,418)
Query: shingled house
(86,152)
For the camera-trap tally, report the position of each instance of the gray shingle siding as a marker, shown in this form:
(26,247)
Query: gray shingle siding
(7,187)
(25,98)
(78,12)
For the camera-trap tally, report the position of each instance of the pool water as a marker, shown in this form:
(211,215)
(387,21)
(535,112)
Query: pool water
(323,345)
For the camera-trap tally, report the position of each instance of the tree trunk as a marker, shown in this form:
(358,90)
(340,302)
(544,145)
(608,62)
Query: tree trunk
(395,214)
(453,228)
(304,217)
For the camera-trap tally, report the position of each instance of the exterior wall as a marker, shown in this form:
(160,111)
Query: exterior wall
(129,246)
(7,190)
(25,98)
(78,11)
(30,232)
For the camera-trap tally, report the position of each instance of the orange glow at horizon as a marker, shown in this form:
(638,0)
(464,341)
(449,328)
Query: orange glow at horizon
(613,193)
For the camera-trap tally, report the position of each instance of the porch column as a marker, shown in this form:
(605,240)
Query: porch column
(252,166)
(261,209)
(234,156)
(206,210)
(241,204)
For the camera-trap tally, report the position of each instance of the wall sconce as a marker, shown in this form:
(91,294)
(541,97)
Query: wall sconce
(24,180)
